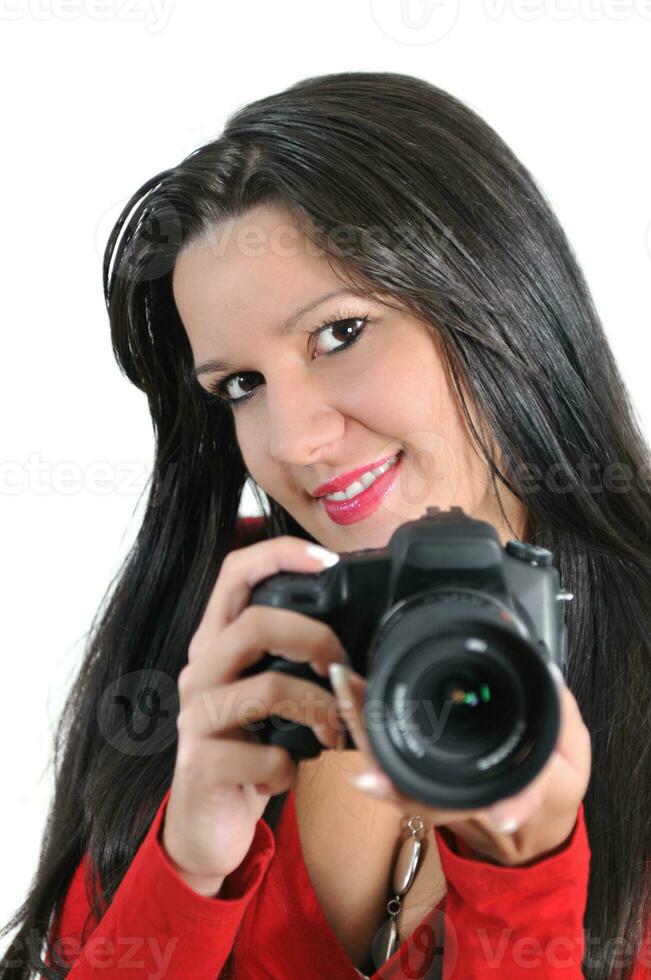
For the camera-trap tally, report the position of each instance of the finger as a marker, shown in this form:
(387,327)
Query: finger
(244,568)
(230,708)
(350,689)
(212,764)
(574,743)
(349,692)
(259,629)
(511,813)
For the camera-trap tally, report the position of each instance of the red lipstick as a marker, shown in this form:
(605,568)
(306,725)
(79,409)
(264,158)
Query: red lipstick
(345,480)
(366,502)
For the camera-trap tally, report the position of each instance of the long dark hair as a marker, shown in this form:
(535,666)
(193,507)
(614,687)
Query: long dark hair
(463,237)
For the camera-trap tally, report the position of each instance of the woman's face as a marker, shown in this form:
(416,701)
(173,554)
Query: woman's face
(320,409)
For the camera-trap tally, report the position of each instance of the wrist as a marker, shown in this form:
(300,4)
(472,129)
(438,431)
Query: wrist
(534,841)
(208,887)
(201,884)
(205,885)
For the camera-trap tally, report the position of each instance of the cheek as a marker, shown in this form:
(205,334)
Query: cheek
(251,439)
(400,393)
(398,389)
(406,396)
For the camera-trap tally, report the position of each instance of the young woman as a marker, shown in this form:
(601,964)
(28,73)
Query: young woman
(356,275)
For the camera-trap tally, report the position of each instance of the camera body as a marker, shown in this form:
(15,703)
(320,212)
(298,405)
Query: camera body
(457,638)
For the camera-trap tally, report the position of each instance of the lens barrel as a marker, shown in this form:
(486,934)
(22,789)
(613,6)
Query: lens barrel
(470,711)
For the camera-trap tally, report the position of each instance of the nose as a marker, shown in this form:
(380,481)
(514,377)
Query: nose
(303,422)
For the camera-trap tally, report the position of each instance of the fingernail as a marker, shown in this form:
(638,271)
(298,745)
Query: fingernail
(327,558)
(374,783)
(339,675)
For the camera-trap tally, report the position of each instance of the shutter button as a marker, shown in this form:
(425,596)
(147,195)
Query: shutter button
(532,553)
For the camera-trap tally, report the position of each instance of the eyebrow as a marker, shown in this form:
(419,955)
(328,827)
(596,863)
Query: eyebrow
(282,330)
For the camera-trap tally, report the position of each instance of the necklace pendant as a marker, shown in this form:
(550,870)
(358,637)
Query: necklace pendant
(406,865)
(386,941)
(387,938)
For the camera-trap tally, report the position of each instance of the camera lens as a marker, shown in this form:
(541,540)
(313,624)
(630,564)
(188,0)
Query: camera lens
(468,703)
(465,700)
(471,709)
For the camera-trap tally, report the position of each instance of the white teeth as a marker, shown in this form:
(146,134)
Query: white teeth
(363,483)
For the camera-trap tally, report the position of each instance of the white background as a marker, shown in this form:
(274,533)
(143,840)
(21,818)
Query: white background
(98,96)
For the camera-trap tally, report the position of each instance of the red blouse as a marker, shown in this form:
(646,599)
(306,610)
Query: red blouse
(493,922)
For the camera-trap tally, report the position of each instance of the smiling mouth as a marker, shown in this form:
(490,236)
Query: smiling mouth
(365,501)
(362,476)
(365,481)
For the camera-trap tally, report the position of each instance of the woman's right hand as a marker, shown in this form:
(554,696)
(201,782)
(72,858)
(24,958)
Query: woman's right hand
(224,776)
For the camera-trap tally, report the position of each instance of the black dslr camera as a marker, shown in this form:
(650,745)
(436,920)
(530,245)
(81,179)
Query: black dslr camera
(456,636)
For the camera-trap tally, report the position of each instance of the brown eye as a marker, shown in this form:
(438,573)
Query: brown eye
(346,330)
(221,388)
(348,334)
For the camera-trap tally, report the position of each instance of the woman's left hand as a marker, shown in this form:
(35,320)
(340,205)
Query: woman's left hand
(514,831)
